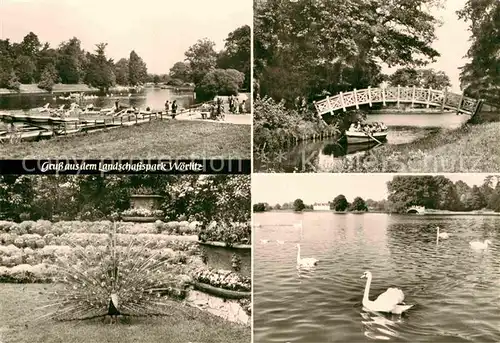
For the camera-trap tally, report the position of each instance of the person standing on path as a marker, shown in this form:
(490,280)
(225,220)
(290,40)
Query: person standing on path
(174,109)
(167,107)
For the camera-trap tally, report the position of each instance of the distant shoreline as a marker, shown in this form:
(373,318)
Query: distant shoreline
(427,213)
(32,89)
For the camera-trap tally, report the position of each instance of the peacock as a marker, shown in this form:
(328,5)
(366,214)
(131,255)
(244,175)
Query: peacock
(114,280)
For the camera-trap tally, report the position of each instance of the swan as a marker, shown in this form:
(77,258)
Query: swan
(305,262)
(391,301)
(480,245)
(443,235)
(280,242)
(264,241)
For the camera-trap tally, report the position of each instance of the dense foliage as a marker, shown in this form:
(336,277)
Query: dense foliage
(432,192)
(438,192)
(480,77)
(31,61)
(212,72)
(307,48)
(275,125)
(421,78)
(224,279)
(220,198)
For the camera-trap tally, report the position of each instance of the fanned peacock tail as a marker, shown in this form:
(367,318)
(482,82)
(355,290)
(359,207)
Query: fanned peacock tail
(134,279)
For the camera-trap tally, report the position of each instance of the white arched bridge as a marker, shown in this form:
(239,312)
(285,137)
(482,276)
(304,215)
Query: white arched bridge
(413,95)
(416,209)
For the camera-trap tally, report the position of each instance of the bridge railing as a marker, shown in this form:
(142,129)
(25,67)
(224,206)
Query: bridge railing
(424,96)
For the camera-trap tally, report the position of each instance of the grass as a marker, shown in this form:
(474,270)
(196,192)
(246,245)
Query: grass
(184,325)
(471,148)
(156,140)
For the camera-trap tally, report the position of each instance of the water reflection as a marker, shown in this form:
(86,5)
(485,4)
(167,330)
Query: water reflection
(454,289)
(324,155)
(153,97)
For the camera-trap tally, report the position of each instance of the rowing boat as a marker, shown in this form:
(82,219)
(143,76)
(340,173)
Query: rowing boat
(356,137)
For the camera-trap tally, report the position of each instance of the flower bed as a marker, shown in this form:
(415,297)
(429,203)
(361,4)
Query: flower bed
(44,227)
(230,234)
(217,255)
(142,212)
(223,279)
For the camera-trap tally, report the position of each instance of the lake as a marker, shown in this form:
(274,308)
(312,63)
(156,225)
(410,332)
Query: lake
(455,289)
(153,97)
(322,155)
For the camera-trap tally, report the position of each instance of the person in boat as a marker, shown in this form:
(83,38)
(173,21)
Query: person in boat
(174,109)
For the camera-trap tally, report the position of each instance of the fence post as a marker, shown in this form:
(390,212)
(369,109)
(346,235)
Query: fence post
(429,97)
(460,102)
(382,91)
(355,98)
(399,88)
(370,96)
(445,93)
(413,97)
(342,101)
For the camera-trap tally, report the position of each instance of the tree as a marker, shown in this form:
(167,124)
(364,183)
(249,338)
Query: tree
(25,69)
(30,46)
(100,72)
(47,56)
(343,39)
(298,205)
(6,71)
(202,58)
(137,70)
(122,72)
(358,205)
(71,61)
(181,71)
(259,207)
(48,78)
(480,77)
(236,53)
(422,78)
(340,203)
(219,82)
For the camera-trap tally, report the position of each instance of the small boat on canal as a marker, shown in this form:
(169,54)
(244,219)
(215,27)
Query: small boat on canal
(366,132)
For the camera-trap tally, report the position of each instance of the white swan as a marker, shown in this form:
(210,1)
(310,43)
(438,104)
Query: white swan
(264,241)
(280,242)
(391,301)
(443,235)
(480,245)
(305,262)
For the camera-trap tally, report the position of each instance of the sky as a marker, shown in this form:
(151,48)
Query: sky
(452,42)
(160,31)
(321,188)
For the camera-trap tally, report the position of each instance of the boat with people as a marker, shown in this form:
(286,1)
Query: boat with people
(366,132)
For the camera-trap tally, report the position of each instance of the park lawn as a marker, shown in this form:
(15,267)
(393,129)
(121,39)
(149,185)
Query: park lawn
(471,148)
(186,325)
(156,140)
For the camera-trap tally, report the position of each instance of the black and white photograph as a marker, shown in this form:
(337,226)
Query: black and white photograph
(124,79)
(367,86)
(125,258)
(376,257)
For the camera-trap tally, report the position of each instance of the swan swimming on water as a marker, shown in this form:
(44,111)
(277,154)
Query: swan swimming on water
(305,262)
(280,242)
(442,235)
(264,241)
(391,301)
(480,245)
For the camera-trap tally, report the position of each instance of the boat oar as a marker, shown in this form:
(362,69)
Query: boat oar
(371,136)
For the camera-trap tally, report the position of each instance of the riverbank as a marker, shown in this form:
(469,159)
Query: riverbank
(471,148)
(30,89)
(185,324)
(427,212)
(168,139)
